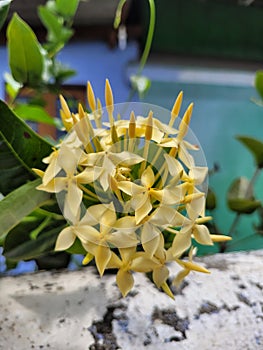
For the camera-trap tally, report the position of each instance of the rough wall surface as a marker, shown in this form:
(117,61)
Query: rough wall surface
(77,310)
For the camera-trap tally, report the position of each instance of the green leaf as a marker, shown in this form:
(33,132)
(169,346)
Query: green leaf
(259,82)
(77,248)
(210,200)
(30,249)
(255,147)
(4,8)
(239,199)
(34,113)
(58,35)
(12,87)
(20,203)
(67,8)
(25,53)
(21,149)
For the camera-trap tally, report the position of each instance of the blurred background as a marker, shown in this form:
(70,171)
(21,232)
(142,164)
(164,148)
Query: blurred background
(210,49)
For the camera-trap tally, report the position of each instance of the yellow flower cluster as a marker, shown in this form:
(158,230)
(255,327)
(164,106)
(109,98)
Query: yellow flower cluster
(130,191)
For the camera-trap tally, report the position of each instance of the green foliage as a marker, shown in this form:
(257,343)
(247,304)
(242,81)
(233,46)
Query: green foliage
(26,58)
(21,149)
(240,197)
(259,82)
(20,203)
(4,8)
(255,147)
(34,65)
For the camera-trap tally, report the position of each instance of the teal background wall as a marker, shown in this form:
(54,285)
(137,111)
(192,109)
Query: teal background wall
(221,111)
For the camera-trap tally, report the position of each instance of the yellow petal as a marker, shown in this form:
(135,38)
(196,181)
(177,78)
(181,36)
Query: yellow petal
(150,238)
(142,263)
(174,166)
(65,239)
(198,174)
(160,275)
(182,241)
(130,188)
(180,277)
(167,290)
(87,259)
(124,281)
(73,197)
(144,210)
(202,235)
(102,257)
(148,177)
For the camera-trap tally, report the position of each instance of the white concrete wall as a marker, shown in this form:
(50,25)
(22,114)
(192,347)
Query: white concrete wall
(77,310)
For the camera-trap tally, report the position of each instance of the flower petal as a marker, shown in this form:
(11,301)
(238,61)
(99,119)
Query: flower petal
(143,211)
(65,239)
(182,241)
(102,257)
(130,188)
(150,238)
(202,235)
(160,275)
(147,177)
(125,281)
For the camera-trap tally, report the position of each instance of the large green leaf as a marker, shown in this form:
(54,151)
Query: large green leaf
(255,147)
(20,203)
(26,60)
(21,149)
(240,198)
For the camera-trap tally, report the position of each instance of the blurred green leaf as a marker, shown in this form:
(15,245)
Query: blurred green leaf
(28,249)
(58,34)
(34,113)
(259,82)
(12,87)
(255,147)
(239,199)
(210,200)
(20,203)
(67,8)
(21,149)
(4,8)
(140,83)
(25,52)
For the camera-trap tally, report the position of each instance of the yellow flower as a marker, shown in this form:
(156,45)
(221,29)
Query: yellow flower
(142,196)
(129,261)
(69,181)
(111,232)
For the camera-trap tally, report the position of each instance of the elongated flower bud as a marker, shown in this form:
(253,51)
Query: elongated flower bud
(132,126)
(109,101)
(65,114)
(176,108)
(91,97)
(149,127)
(183,127)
